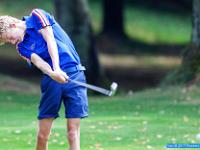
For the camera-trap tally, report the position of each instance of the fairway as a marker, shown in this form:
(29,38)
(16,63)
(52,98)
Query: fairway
(145,120)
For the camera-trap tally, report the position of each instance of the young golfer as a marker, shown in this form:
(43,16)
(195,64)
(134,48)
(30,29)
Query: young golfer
(41,41)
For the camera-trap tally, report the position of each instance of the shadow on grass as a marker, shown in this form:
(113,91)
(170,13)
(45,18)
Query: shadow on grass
(124,45)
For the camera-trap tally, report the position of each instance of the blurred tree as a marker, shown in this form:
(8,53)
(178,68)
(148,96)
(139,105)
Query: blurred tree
(73,15)
(113,20)
(196,24)
(190,69)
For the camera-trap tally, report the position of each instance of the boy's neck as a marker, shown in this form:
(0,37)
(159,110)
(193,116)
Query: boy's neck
(21,25)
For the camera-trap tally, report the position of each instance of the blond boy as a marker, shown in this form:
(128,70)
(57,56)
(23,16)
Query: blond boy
(42,42)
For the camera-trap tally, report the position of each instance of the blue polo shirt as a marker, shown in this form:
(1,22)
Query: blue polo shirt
(33,41)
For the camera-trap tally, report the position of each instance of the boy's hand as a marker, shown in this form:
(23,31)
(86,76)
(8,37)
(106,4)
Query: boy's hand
(64,75)
(59,76)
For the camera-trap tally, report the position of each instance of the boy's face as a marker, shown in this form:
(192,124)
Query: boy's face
(11,36)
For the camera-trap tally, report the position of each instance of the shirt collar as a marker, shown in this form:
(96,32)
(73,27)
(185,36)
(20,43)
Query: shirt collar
(29,22)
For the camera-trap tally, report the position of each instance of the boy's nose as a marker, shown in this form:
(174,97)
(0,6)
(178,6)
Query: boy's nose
(13,41)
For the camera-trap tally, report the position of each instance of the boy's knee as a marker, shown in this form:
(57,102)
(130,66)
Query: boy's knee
(43,137)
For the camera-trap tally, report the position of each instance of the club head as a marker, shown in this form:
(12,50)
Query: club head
(113,88)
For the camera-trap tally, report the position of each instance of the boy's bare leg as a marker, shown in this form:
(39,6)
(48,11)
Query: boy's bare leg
(43,133)
(73,133)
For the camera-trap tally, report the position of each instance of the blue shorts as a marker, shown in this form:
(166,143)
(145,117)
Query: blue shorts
(73,96)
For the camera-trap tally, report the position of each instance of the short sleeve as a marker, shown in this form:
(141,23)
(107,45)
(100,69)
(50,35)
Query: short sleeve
(24,53)
(40,18)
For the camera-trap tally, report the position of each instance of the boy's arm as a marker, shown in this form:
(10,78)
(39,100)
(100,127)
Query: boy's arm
(46,68)
(47,34)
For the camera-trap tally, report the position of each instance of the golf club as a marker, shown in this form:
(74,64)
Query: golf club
(111,92)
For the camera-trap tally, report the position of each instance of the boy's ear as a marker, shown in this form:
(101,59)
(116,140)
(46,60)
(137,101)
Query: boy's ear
(12,25)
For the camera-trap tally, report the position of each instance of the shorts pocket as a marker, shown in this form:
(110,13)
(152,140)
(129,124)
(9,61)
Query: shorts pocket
(44,83)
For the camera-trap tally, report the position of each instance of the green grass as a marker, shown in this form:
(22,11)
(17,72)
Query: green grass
(157,27)
(142,24)
(144,120)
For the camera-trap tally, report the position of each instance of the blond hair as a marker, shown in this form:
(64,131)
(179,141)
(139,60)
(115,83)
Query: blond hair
(5,22)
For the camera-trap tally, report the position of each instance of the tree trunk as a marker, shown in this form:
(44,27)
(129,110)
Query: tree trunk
(113,21)
(196,24)
(191,58)
(189,71)
(73,16)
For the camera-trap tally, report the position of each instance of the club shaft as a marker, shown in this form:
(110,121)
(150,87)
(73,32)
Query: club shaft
(92,87)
